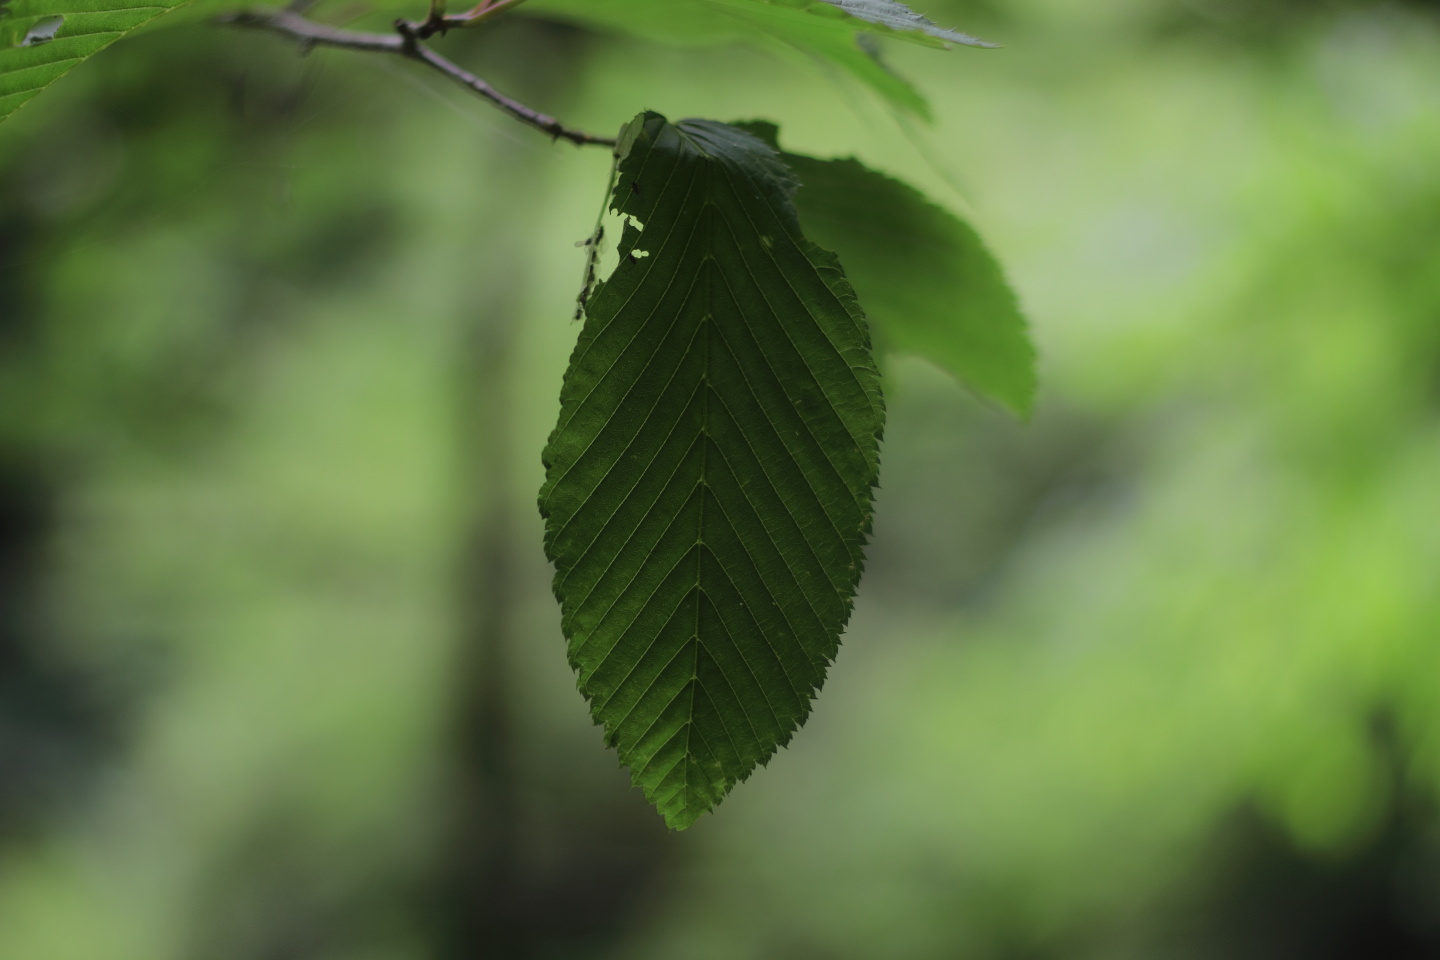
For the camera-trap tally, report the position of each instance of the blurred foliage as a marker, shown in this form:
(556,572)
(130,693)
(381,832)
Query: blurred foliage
(1153,675)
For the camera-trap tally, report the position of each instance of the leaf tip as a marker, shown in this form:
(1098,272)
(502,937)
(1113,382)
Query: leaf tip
(682,820)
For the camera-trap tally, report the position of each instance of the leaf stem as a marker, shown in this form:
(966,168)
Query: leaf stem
(438,22)
(406,41)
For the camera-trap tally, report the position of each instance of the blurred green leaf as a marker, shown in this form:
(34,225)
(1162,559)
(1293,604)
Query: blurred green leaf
(818,28)
(708,486)
(40,40)
(892,16)
(929,285)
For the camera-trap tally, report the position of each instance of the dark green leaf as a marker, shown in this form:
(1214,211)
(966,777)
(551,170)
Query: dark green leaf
(709,482)
(40,40)
(929,285)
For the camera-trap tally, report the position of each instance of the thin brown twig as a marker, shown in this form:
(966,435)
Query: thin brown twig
(406,42)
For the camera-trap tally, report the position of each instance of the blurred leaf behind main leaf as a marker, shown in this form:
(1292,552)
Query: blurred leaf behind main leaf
(925,278)
(823,31)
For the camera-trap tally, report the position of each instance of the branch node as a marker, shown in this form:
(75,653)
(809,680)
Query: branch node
(408,39)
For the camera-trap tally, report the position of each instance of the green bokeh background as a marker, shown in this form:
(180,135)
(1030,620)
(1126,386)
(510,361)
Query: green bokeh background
(1154,675)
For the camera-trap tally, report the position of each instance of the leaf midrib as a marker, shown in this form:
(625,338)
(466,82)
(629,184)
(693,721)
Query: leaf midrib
(706,333)
(739,245)
(706,328)
(708,488)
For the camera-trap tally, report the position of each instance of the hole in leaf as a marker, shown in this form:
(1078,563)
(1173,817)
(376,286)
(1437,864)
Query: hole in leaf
(42,31)
(618,228)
